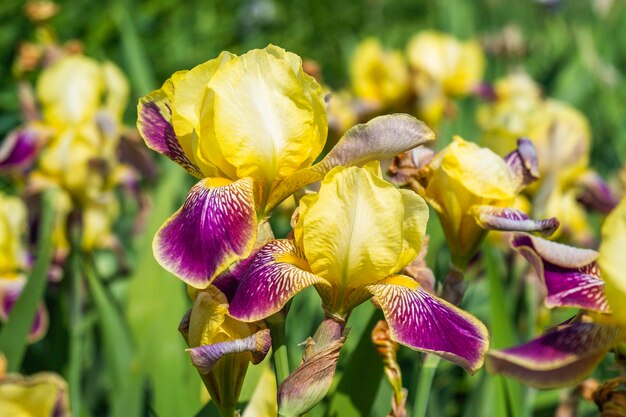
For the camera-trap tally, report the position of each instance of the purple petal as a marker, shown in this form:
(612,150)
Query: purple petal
(205,357)
(561,357)
(158,132)
(595,193)
(10,291)
(512,220)
(19,149)
(523,162)
(429,324)
(276,273)
(570,275)
(216,226)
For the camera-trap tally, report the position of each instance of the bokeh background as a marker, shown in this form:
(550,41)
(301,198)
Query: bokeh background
(574,49)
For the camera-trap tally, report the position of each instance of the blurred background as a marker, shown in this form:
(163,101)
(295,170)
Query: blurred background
(574,49)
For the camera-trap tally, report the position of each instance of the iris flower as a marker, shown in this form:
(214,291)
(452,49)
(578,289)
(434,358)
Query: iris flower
(573,277)
(473,191)
(14,263)
(350,241)
(249,127)
(40,395)
(221,347)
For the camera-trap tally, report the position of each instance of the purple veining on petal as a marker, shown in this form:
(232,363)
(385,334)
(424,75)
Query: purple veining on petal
(273,276)
(160,136)
(206,356)
(569,283)
(18,149)
(429,324)
(561,357)
(216,226)
(512,220)
(523,163)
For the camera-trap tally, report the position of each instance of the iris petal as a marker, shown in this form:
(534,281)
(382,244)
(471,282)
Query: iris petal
(523,162)
(10,291)
(216,226)
(511,219)
(206,356)
(561,357)
(276,273)
(428,324)
(571,275)
(19,149)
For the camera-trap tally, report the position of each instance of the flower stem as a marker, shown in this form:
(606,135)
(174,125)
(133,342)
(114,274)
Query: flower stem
(424,384)
(75,328)
(276,324)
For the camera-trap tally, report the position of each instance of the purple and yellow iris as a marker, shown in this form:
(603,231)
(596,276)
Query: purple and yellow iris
(356,253)
(573,277)
(249,127)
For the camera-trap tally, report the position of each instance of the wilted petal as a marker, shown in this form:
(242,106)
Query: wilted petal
(523,163)
(429,324)
(381,138)
(570,274)
(206,356)
(19,149)
(10,291)
(561,357)
(595,193)
(276,273)
(216,226)
(512,220)
(154,124)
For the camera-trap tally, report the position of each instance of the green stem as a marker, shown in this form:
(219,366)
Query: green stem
(76,332)
(424,384)
(276,324)
(14,334)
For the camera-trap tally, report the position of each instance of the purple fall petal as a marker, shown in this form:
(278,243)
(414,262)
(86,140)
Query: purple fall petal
(523,163)
(205,357)
(512,220)
(561,357)
(570,275)
(216,226)
(159,135)
(18,149)
(276,273)
(428,324)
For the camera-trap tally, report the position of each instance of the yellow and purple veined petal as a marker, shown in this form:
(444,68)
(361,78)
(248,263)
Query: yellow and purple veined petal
(216,226)
(570,275)
(39,395)
(374,231)
(457,66)
(613,262)
(562,357)
(379,76)
(10,290)
(274,274)
(426,323)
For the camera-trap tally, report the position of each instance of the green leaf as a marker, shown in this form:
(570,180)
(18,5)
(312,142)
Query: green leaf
(14,333)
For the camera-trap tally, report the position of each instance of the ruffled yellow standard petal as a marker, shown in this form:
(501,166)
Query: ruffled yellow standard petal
(359,229)
(267,119)
(613,263)
(70,90)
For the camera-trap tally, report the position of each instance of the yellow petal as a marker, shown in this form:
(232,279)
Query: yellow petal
(12,233)
(70,90)
(613,262)
(355,230)
(378,75)
(43,394)
(267,118)
(117,89)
